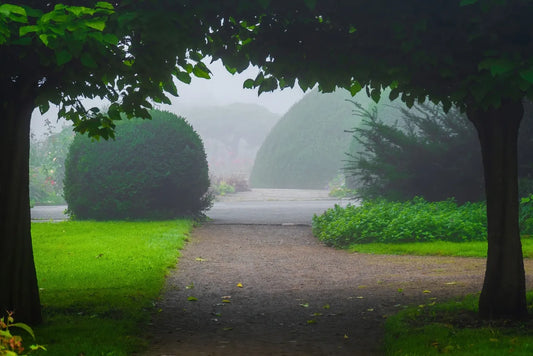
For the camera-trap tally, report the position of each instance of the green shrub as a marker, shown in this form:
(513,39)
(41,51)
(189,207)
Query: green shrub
(154,169)
(411,221)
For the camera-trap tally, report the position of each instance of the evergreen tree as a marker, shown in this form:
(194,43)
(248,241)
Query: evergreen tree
(425,152)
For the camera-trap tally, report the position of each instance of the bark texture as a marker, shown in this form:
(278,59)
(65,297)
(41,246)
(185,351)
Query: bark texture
(504,293)
(18,288)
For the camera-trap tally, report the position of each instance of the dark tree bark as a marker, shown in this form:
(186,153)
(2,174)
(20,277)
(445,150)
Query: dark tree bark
(18,286)
(504,293)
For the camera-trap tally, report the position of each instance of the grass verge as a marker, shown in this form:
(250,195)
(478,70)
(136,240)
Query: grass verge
(99,280)
(436,248)
(453,328)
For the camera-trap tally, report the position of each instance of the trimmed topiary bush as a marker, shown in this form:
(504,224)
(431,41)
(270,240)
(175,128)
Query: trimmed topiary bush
(307,146)
(154,169)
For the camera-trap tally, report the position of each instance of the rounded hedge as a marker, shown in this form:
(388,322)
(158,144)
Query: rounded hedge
(154,169)
(307,146)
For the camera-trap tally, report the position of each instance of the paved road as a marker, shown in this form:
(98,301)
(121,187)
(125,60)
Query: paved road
(268,212)
(259,206)
(49,213)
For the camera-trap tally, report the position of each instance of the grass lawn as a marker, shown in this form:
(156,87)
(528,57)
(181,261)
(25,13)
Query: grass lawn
(98,282)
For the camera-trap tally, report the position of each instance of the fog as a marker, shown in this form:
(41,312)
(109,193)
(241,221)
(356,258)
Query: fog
(222,89)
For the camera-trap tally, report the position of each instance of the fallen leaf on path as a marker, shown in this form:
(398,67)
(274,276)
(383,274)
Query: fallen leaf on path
(426,291)
(312,321)
(326,306)
(451,283)
(304,305)
(239,285)
(226,301)
(346,336)
(192,299)
(200,259)
(190,286)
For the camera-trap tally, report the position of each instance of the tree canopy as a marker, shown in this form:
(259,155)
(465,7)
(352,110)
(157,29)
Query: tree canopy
(476,54)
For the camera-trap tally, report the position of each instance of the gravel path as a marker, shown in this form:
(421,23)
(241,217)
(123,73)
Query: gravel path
(298,297)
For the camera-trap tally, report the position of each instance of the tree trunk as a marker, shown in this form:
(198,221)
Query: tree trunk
(504,292)
(18,286)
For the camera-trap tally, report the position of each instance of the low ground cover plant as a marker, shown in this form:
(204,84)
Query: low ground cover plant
(393,222)
(99,280)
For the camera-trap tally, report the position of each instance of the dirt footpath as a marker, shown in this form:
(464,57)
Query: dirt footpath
(275,290)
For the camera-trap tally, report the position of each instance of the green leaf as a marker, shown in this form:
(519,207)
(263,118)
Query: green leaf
(201,71)
(23,30)
(267,85)
(24,327)
(44,108)
(170,87)
(375,95)
(80,10)
(97,24)
(114,112)
(196,56)
(63,57)
(393,95)
(192,299)
(104,5)
(14,13)
(44,39)
(355,88)
(231,69)
(184,77)
(248,84)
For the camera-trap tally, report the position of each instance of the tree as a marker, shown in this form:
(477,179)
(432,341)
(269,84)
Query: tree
(476,54)
(128,52)
(425,152)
